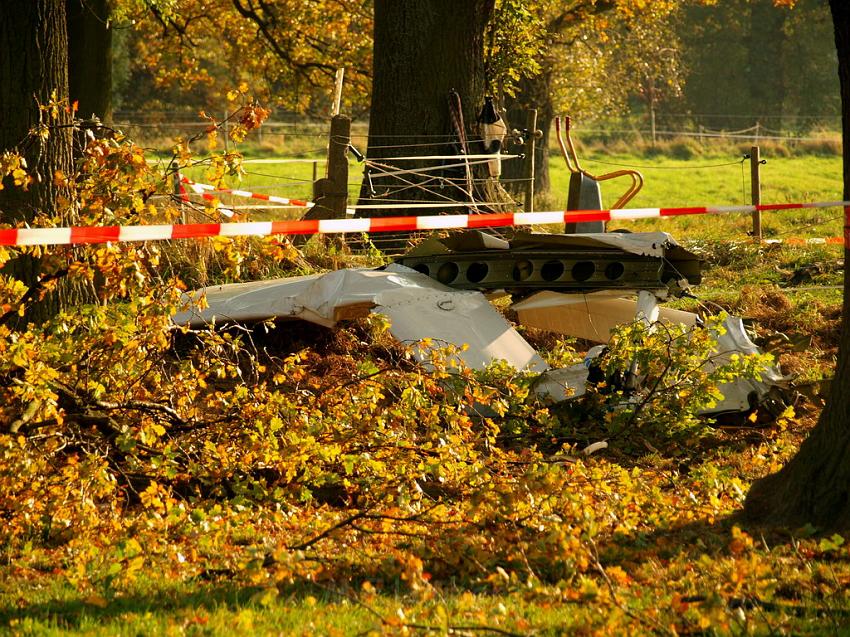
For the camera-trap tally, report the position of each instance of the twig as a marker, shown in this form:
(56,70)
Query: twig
(350,519)
(422,627)
(648,622)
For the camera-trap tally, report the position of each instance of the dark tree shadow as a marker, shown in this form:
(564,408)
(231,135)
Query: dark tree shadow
(72,614)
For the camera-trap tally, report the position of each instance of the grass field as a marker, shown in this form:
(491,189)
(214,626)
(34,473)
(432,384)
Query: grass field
(681,566)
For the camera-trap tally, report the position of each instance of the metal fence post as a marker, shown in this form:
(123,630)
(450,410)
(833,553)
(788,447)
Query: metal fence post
(531,128)
(755,187)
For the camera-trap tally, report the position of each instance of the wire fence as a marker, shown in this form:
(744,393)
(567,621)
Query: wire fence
(389,179)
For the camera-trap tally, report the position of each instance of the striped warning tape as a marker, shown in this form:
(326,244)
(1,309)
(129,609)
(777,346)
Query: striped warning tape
(104,234)
(209,193)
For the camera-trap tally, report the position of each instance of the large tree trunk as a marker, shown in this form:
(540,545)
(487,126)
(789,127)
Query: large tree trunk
(90,57)
(422,51)
(814,487)
(33,68)
(33,65)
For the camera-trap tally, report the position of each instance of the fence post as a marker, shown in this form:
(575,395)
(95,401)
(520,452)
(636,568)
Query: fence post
(530,139)
(755,186)
(175,189)
(331,192)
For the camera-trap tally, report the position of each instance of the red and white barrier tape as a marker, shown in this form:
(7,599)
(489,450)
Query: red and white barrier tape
(104,234)
(206,190)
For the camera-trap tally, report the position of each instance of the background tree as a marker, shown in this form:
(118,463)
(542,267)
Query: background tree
(90,57)
(594,55)
(190,53)
(748,59)
(814,487)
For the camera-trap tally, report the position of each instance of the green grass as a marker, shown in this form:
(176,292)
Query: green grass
(794,586)
(157,608)
(162,608)
(704,180)
(194,608)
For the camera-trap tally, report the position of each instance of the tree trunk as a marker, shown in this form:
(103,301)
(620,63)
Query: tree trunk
(534,92)
(90,57)
(422,51)
(34,67)
(814,487)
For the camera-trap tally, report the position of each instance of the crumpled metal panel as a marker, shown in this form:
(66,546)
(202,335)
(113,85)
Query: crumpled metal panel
(588,316)
(418,308)
(592,317)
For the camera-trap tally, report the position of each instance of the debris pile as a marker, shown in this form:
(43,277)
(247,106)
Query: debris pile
(575,285)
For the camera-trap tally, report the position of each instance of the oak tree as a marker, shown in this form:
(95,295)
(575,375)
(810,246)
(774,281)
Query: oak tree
(90,57)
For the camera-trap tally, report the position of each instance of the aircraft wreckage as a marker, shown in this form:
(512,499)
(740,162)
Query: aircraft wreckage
(579,285)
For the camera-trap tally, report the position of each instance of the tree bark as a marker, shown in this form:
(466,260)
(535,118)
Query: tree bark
(422,51)
(33,64)
(90,57)
(34,69)
(814,487)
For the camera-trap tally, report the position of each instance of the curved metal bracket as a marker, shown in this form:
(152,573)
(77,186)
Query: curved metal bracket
(568,151)
(633,189)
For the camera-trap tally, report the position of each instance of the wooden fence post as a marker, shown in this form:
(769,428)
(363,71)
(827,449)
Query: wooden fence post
(755,187)
(331,192)
(530,140)
(337,101)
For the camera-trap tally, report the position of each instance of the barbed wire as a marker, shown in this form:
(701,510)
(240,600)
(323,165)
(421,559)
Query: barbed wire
(284,178)
(648,167)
